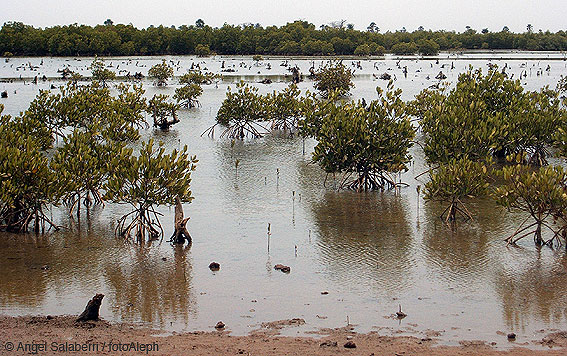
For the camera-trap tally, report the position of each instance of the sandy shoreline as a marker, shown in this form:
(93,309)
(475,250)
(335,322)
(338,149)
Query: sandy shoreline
(62,335)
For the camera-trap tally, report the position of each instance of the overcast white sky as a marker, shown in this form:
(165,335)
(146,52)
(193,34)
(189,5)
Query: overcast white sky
(388,14)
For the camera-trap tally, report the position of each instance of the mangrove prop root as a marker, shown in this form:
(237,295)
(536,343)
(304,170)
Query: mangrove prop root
(144,222)
(368,181)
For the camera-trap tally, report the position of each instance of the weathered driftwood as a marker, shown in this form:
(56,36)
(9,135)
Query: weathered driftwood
(180,234)
(92,309)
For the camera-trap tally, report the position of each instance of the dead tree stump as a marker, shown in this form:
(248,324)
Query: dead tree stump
(180,234)
(92,309)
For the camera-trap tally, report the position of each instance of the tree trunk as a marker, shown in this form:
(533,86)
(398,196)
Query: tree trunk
(537,237)
(92,309)
(180,234)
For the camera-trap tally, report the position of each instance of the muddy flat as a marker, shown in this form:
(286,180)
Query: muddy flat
(62,335)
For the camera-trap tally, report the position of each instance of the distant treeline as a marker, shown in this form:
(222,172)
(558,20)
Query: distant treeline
(297,38)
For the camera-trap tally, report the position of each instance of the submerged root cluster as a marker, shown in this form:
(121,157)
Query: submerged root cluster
(142,222)
(368,181)
(239,130)
(456,207)
(535,230)
(19,218)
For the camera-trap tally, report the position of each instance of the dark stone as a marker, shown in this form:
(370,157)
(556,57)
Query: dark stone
(284,269)
(213,266)
(350,345)
(4,94)
(328,343)
(511,336)
(220,325)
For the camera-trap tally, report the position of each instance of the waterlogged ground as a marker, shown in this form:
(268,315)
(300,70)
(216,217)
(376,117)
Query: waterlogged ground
(370,252)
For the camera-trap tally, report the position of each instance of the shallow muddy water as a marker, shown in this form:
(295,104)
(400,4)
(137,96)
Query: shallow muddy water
(371,252)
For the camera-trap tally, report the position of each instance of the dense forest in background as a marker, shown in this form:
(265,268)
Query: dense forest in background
(297,38)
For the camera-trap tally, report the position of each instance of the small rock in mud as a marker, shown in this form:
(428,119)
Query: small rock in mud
(284,269)
(350,345)
(328,344)
(213,266)
(49,317)
(324,292)
(220,325)
(511,336)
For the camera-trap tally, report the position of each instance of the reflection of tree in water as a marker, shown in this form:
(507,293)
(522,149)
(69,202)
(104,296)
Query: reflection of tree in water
(364,239)
(33,267)
(151,289)
(461,252)
(23,281)
(535,290)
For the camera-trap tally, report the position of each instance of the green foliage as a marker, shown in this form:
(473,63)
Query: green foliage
(202,50)
(487,115)
(541,193)
(198,77)
(161,110)
(241,111)
(333,77)
(81,166)
(367,142)
(82,106)
(294,38)
(187,95)
(146,181)
(362,50)
(404,48)
(428,48)
(284,108)
(26,182)
(161,72)
(100,73)
(456,180)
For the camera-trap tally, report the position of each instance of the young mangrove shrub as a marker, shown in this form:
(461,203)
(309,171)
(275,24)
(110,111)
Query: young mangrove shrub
(161,72)
(334,76)
(487,114)
(151,179)
(27,185)
(536,127)
(161,110)
(100,73)
(284,109)
(81,106)
(186,96)
(365,143)
(198,77)
(81,166)
(241,113)
(456,181)
(541,193)
(313,109)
